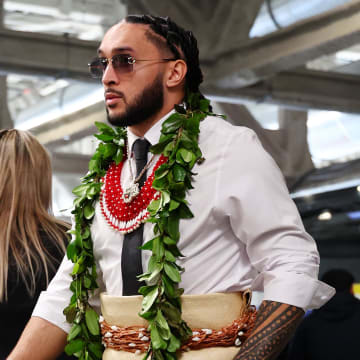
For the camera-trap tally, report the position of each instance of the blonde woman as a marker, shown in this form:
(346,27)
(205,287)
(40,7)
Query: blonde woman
(32,241)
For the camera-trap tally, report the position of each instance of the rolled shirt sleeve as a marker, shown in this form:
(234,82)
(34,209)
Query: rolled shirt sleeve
(51,302)
(264,217)
(56,298)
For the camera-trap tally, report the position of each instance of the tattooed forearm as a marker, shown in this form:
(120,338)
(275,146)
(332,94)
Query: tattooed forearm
(274,326)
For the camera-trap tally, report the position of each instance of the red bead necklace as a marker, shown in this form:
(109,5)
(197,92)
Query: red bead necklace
(126,217)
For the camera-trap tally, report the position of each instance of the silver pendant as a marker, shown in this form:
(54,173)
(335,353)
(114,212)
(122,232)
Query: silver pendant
(131,192)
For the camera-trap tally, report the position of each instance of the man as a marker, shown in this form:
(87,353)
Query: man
(332,331)
(246,231)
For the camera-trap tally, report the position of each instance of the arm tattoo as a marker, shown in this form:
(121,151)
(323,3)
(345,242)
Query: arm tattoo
(274,326)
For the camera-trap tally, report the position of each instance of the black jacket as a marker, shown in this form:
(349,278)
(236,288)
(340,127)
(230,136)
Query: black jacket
(331,332)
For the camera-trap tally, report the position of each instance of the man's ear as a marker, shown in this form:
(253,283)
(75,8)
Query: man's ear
(176,73)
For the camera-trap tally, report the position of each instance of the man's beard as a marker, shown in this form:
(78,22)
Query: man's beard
(144,106)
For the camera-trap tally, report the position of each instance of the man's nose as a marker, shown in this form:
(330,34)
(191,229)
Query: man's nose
(110,75)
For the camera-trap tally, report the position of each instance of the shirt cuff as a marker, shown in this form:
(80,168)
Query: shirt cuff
(295,289)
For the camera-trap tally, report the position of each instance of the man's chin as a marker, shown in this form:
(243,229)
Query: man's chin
(115,121)
(115,117)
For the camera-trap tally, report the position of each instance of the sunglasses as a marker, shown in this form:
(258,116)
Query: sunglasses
(122,63)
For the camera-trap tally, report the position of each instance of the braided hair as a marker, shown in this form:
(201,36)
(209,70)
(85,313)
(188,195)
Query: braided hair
(176,38)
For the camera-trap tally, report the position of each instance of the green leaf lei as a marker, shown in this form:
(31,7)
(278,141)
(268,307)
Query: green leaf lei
(161,305)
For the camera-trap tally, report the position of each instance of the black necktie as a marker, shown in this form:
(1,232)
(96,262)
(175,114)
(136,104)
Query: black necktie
(131,265)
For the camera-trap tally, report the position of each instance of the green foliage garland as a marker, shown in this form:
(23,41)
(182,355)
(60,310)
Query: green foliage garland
(161,305)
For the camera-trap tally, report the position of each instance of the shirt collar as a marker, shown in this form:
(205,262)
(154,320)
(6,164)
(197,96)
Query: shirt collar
(152,135)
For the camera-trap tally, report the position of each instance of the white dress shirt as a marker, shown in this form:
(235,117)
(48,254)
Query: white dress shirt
(246,231)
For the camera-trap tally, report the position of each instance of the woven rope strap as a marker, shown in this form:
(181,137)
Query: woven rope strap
(136,339)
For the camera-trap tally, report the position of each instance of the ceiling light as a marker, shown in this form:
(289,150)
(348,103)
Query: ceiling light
(354,215)
(347,55)
(21,7)
(318,118)
(326,188)
(54,86)
(325,215)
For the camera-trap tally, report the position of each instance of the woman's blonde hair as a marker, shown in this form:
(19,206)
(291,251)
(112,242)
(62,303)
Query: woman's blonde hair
(25,205)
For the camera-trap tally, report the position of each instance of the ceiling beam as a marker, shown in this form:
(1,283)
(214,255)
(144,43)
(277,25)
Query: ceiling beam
(53,142)
(1,13)
(48,55)
(302,89)
(287,48)
(69,163)
(75,125)
(6,121)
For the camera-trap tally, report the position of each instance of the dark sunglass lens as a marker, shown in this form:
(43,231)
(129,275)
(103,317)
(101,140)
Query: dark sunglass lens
(97,67)
(121,63)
